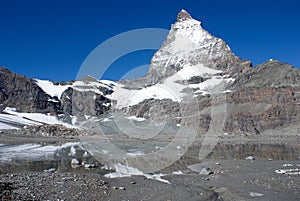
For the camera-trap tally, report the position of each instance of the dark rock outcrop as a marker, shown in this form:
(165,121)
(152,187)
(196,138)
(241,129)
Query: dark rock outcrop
(24,94)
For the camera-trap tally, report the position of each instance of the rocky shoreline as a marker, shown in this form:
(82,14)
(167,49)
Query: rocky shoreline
(272,174)
(235,180)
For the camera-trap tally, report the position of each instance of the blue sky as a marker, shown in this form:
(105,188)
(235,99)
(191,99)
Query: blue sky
(50,39)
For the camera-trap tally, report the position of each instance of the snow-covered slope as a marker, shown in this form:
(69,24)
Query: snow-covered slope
(52,89)
(188,52)
(88,84)
(171,88)
(14,120)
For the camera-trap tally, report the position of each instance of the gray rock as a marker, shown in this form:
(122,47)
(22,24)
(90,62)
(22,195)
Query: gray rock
(74,166)
(250,158)
(89,165)
(206,171)
(85,154)
(50,130)
(74,161)
(119,187)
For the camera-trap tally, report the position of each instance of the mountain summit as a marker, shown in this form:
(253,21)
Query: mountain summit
(190,41)
(183,15)
(189,44)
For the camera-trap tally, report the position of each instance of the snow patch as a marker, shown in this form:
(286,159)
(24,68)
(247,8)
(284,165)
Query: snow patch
(52,89)
(93,86)
(4,126)
(134,118)
(126,171)
(32,118)
(189,71)
(292,171)
(179,172)
(106,120)
(83,86)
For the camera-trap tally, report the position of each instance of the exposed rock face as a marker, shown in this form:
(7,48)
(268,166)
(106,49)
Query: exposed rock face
(23,94)
(50,130)
(84,103)
(271,74)
(157,109)
(87,97)
(266,97)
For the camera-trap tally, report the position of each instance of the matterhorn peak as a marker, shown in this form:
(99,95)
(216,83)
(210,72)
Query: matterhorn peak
(183,15)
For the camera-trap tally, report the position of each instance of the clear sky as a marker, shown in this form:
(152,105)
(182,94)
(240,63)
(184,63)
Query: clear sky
(49,39)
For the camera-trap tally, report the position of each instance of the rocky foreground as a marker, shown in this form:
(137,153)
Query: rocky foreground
(230,180)
(53,186)
(237,169)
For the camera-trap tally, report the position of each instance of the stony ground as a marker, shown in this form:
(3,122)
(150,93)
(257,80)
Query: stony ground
(53,186)
(230,180)
(231,177)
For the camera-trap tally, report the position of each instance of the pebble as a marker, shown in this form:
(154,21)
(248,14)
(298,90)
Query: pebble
(119,188)
(50,170)
(85,154)
(89,165)
(74,161)
(253,194)
(206,171)
(74,166)
(250,158)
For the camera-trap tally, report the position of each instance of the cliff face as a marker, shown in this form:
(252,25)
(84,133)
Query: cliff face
(265,97)
(25,95)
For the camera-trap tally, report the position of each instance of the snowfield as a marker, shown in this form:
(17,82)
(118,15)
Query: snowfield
(57,90)
(22,119)
(52,89)
(171,88)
